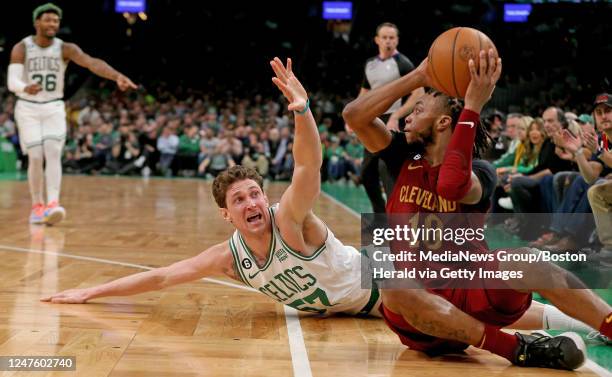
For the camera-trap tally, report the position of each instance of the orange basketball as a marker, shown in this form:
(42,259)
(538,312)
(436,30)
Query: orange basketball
(448,58)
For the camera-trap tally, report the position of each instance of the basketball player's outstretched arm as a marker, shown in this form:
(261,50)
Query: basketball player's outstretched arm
(362,113)
(300,196)
(101,68)
(215,261)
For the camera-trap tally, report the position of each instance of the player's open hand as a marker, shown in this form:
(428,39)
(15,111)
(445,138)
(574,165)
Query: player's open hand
(70,296)
(291,87)
(483,80)
(124,83)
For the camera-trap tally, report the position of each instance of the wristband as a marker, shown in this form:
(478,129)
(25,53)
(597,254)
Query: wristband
(305,107)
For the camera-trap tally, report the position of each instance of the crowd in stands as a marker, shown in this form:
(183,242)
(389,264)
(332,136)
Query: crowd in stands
(543,161)
(199,135)
(557,163)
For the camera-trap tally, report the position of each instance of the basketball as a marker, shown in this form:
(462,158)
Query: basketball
(448,58)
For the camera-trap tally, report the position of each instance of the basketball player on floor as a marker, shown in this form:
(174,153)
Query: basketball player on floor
(283,251)
(435,155)
(36,76)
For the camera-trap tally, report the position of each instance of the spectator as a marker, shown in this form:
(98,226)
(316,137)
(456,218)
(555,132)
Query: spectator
(335,155)
(255,158)
(216,162)
(167,145)
(511,132)
(353,156)
(186,159)
(233,145)
(125,153)
(208,143)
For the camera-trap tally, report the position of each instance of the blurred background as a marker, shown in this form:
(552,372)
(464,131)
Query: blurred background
(561,52)
(204,74)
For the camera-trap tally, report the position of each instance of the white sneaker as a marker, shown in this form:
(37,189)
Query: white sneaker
(54,213)
(506,203)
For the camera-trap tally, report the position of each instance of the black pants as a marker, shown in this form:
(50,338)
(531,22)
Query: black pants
(373,170)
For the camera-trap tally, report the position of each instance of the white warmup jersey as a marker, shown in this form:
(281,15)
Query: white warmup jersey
(328,281)
(46,67)
(42,116)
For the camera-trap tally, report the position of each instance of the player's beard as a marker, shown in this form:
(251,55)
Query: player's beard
(424,137)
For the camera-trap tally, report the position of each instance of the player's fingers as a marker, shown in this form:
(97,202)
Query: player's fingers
(498,70)
(492,62)
(281,69)
(482,63)
(282,87)
(289,66)
(278,70)
(472,68)
(60,300)
(45,299)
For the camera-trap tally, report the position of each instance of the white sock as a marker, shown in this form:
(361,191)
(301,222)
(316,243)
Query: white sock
(35,173)
(555,319)
(53,169)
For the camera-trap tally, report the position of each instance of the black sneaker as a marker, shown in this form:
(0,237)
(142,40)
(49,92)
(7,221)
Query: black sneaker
(565,351)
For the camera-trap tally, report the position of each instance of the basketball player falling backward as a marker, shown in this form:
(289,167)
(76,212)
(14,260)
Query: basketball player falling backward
(283,251)
(36,76)
(434,156)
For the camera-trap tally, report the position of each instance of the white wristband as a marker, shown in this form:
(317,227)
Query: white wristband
(15,78)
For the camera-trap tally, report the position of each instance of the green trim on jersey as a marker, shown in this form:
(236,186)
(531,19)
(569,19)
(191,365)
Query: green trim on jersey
(374,295)
(237,262)
(271,248)
(294,252)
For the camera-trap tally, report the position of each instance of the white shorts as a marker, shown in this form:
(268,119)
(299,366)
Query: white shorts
(38,122)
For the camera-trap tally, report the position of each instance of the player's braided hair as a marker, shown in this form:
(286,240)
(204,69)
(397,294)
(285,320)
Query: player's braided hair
(454,107)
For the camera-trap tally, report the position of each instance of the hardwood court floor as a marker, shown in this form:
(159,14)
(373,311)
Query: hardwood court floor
(119,226)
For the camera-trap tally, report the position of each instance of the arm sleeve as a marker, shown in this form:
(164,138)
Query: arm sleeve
(15,78)
(456,171)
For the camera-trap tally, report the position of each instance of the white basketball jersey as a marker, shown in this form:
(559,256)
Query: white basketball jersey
(46,67)
(328,281)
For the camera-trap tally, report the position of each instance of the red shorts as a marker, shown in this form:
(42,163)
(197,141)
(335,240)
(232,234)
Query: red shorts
(496,307)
